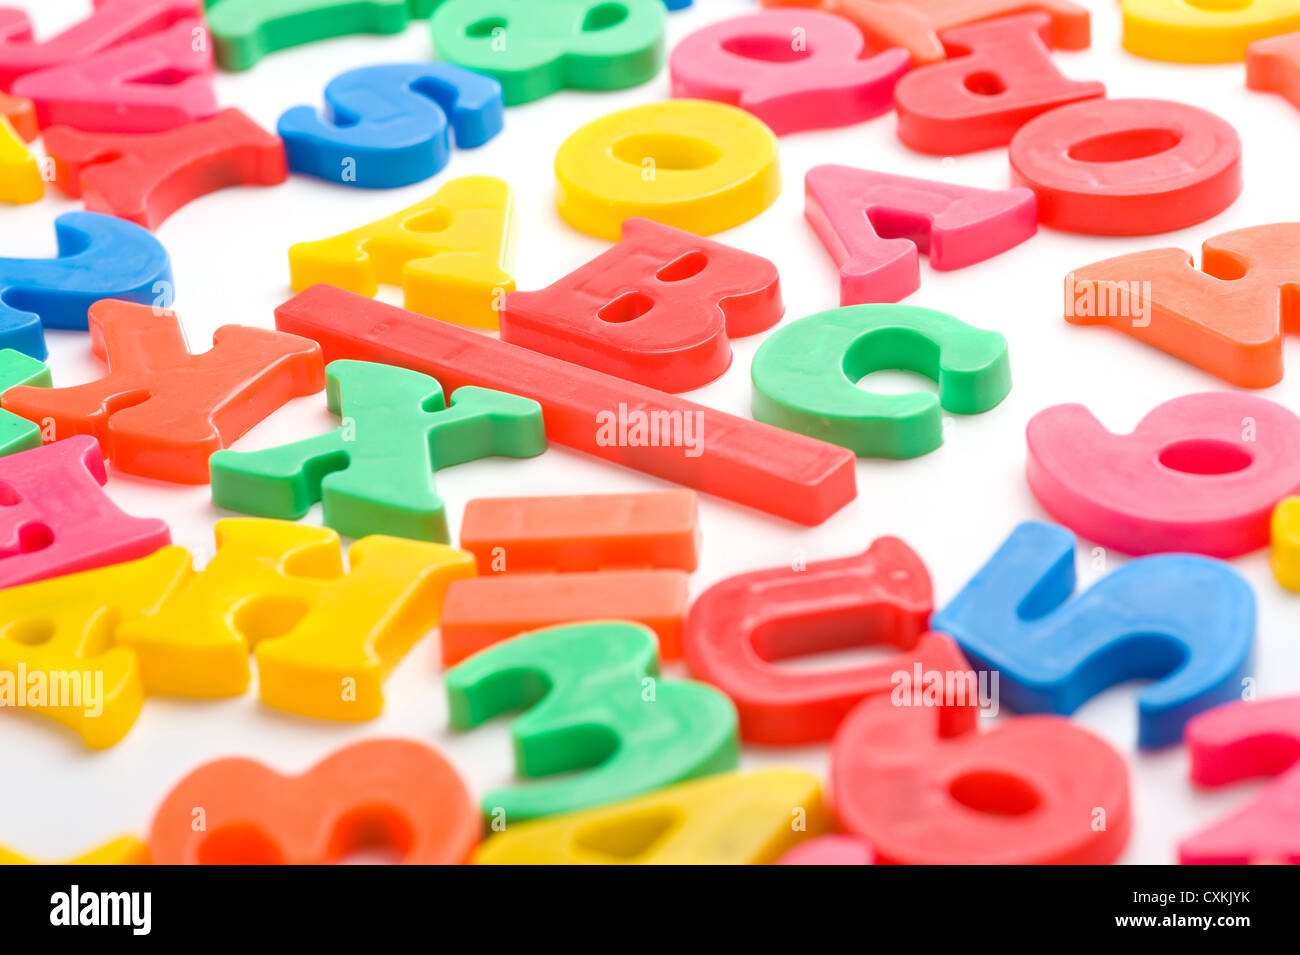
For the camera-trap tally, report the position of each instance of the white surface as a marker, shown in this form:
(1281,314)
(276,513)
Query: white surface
(954,506)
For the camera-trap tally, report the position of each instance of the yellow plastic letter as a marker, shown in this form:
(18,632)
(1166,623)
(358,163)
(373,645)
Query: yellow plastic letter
(1286,543)
(449,253)
(324,639)
(693,164)
(57,653)
(1203,31)
(20,175)
(729,819)
(127,850)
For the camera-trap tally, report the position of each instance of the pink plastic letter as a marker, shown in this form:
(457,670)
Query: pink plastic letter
(874,223)
(123,89)
(1241,741)
(57,521)
(1201,473)
(111,23)
(793,69)
(830,850)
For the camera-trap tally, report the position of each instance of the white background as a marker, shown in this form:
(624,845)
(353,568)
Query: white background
(954,506)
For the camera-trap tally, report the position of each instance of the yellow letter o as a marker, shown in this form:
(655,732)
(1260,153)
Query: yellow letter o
(692,164)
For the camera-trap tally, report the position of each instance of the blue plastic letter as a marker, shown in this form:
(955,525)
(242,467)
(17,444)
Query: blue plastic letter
(386,126)
(99,257)
(1185,621)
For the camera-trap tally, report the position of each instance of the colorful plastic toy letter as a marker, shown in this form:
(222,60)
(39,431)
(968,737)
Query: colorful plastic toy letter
(392,793)
(914,25)
(1200,473)
(613,551)
(778,472)
(119,90)
(1186,622)
(161,411)
(1035,790)
(691,164)
(1285,533)
(1001,76)
(876,224)
(1274,65)
(1246,740)
(594,703)
(324,639)
(805,377)
(127,850)
(1227,319)
(830,850)
(659,308)
(145,177)
(583,532)
(19,434)
(536,49)
(247,30)
(728,819)
(99,257)
(449,253)
(58,641)
(1184,31)
(481,611)
(21,114)
(739,628)
(374,473)
(20,175)
(1127,166)
(793,69)
(56,520)
(387,125)
(110,24)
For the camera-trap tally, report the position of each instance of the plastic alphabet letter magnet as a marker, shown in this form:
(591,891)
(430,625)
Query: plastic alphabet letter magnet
(1183,621)
(691,164)
(535,49)
(793,69)
(805,377)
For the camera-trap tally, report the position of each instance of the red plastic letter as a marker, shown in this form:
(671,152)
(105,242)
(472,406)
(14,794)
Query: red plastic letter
(1000,76)
(381,793)
(923,786)
(145,177)
(1242,741)
(55,520)
(776,471)
(162,411)
(875,223)
(739,627)
(1127,166)
(658,308)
